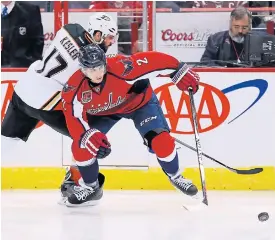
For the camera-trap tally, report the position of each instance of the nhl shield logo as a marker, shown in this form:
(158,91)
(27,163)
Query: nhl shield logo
(22,31)
(86,96)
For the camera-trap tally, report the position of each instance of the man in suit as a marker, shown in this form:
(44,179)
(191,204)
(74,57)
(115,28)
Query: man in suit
(22,38)
(229,45)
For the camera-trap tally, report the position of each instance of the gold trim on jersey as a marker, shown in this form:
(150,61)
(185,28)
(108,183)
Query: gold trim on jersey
(52,102)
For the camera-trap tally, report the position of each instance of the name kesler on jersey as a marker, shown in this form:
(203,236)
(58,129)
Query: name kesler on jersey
(69,47)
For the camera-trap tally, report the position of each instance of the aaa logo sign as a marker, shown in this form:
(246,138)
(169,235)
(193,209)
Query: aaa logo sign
(206,110)
(213,105)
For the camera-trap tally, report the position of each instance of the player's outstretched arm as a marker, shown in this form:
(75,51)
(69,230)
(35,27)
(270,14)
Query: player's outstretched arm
(153,64)
(142,65)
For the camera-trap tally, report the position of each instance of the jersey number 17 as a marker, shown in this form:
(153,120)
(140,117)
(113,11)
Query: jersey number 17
(60,66)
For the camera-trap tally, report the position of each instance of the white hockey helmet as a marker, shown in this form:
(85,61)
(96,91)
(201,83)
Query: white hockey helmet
(104,23)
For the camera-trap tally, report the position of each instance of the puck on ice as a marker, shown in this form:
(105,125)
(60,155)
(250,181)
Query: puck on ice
(263,216)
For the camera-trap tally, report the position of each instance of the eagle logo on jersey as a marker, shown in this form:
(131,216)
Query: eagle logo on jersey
(86,96)
(128,66)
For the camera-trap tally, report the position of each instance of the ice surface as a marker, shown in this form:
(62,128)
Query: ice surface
(138,215)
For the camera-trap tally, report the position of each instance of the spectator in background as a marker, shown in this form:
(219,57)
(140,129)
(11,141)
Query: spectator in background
(229,45)
(79,4)
(258,20)
(168,4)
(184,4)
(22,38)
(219,4)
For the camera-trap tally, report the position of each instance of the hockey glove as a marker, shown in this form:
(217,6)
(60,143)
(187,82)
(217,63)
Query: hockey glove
(96,143)
(103,152)
(82,154)
(185,78)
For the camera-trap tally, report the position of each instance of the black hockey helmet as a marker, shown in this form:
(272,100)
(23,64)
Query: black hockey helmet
(91,56)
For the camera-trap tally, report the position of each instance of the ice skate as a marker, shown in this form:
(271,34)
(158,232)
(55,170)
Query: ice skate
(67,187)
(184,185)
(85,196)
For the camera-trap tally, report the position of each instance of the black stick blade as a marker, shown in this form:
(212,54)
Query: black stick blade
(249,171)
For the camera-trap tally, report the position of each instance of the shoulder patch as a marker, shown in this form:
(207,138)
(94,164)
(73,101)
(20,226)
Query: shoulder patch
(128,66)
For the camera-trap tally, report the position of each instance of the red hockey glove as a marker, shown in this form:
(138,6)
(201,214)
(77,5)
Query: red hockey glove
(185,78)
(93,139)
(82,154)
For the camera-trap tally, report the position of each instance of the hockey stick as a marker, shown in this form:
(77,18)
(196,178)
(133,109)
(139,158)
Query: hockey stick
(238,171)
(175,79)
(198,145)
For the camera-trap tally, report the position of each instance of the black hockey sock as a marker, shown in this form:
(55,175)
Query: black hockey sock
(89,173)
(171,167)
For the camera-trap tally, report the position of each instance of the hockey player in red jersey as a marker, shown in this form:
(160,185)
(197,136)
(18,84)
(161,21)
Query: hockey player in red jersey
(99,95)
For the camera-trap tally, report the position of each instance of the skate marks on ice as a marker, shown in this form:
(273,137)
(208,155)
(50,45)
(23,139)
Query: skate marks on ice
(138,215)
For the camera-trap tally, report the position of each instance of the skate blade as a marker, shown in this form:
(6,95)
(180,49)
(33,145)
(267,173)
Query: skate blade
(192,203)
(86,204)
(197,204)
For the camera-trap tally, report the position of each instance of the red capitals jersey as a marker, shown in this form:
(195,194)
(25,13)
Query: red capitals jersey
(124,89)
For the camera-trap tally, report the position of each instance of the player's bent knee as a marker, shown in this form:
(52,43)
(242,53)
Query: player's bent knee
(164,146)
(149,136)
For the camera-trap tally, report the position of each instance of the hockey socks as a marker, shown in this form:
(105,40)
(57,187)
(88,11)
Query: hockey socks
(89,173)
(171,167)
(164,147)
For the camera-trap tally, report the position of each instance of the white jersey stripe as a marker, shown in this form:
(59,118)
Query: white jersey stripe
(77,112)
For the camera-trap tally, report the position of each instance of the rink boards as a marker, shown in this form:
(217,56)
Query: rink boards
(236,114)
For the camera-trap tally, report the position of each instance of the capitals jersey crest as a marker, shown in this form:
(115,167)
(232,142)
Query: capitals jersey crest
(86,96)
